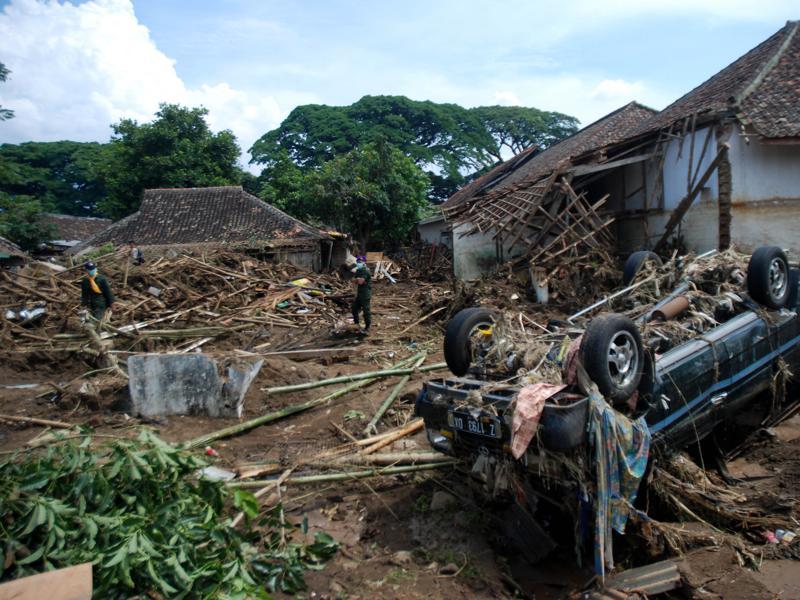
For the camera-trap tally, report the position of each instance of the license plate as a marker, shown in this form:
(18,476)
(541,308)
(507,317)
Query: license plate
(485,426)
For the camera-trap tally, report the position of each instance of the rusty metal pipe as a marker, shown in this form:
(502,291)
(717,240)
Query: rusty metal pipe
(671,309)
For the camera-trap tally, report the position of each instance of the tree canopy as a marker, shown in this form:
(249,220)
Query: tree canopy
(374,192)
(177,149)
(5,113)
(446,140)
(20,221)
(64,176)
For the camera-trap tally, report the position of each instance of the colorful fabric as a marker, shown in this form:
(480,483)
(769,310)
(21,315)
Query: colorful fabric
(621,448)
(528,408)
(94,286)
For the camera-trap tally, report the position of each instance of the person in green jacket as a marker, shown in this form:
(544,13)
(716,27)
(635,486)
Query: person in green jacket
(96,294)
(363,297)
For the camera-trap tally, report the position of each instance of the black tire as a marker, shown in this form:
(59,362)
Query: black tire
(768,277)
(612,354)
(635,262)
(457,344)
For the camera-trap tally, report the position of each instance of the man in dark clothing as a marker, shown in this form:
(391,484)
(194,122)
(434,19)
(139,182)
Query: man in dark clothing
(363,297)
(95,292)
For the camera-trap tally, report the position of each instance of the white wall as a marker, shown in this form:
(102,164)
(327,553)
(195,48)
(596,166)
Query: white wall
(676,167)
(766,195)
(476,254)
(434,233)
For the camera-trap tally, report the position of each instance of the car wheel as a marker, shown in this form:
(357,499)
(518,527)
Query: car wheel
(465,333)
(611,353)
(768,277)
(635,262)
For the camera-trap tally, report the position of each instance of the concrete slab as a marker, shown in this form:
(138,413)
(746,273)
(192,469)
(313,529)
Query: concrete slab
(189,384)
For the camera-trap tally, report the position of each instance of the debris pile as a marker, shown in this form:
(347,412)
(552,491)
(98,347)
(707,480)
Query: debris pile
(175,304)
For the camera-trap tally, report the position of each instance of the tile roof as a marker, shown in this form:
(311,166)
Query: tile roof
(612,128)
(220,215)
(70,228)
(762,86)
(772,108)
(7,247)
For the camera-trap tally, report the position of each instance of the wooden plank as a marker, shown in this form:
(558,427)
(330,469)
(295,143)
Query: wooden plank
(71,583)
(580,170)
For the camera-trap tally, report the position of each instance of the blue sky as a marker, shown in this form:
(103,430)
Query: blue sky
(77,67)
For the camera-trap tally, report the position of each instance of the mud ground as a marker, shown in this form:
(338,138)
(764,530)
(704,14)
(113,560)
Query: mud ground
(410,536)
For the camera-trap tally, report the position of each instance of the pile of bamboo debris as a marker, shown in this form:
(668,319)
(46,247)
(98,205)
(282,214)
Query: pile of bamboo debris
(167,304)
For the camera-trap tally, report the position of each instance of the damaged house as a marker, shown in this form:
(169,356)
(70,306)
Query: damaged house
(67,231)
(218,216)
(720,165)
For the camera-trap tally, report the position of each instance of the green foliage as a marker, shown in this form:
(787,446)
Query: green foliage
(136,510)
(5,113)
(103,250)
(64,176)
(20,221)
(177,149)
(516,128)
(284,186)
(447,140)
(374,192)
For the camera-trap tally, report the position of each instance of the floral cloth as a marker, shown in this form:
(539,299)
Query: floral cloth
(620,449)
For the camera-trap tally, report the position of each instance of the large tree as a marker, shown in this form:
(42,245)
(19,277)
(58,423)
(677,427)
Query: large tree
(374,191)
(177,149)
(448,141)
(63,176)
(5,113)
(515,128)
(20,221)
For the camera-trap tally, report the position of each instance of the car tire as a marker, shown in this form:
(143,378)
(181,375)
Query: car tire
(457,338)
(635,262)
(768,277)
(613,356)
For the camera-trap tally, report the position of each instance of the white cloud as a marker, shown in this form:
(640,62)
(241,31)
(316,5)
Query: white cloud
(506,98)
(617,90)
(76,69)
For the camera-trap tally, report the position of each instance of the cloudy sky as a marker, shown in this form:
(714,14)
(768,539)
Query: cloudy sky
(77,67)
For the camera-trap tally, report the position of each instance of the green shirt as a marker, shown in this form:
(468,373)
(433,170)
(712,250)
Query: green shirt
(92,299)
(364,290)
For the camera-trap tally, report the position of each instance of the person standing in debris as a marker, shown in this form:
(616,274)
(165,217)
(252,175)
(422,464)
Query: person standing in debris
(137,257)
(96,294)
(363,297)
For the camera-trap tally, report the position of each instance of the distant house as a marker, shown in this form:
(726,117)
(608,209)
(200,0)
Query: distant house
(217,216)
(434,230)
(68,231)
(719,166)
(11,255)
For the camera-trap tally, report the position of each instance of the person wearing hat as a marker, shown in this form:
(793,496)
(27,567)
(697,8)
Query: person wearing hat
(96,294)
(363,297)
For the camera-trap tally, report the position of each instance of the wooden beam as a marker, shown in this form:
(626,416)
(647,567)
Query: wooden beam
(580,170)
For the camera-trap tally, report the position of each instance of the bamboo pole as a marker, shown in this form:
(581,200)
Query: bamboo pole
(357,377)
(300,479)
(371,426)
(275,415)
(45,422)
(412,427)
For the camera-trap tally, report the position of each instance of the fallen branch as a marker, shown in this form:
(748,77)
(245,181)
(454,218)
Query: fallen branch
(346,475)
(412,427)
(371,426)
(357,377)
(45,422)
(420,320)
(272,484)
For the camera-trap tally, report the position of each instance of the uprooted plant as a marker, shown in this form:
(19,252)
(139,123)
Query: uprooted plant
(137,511)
